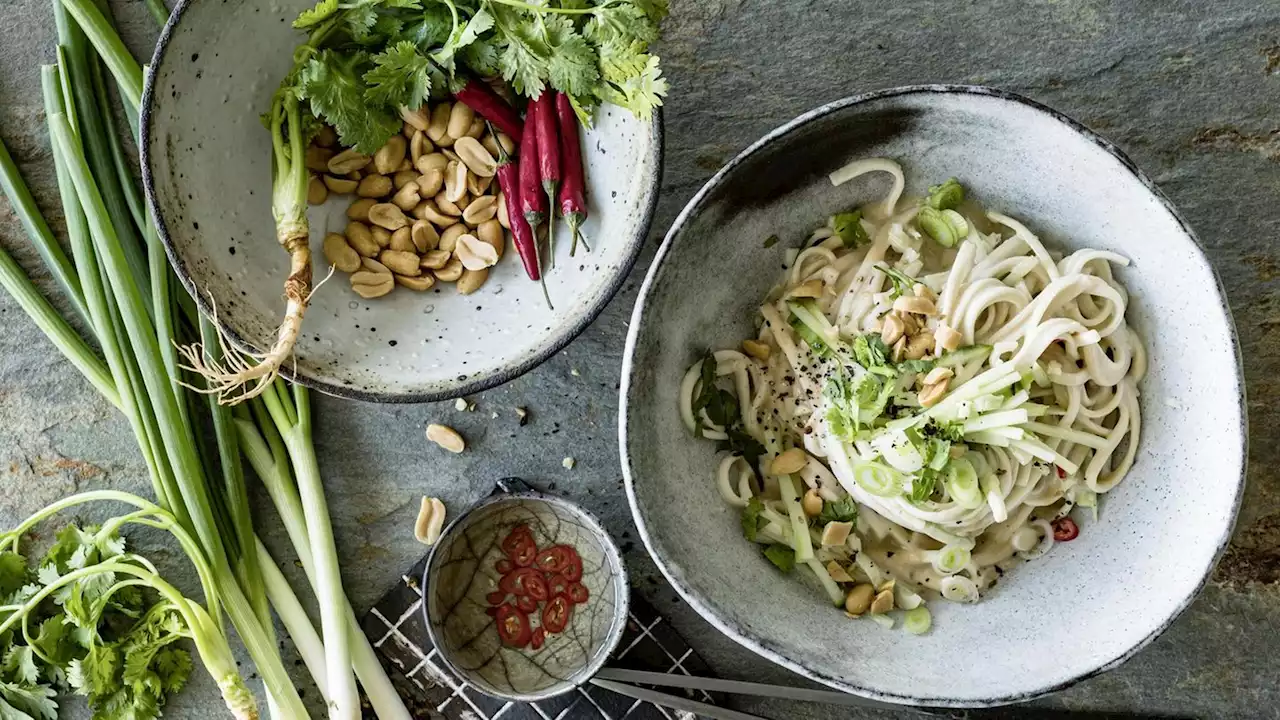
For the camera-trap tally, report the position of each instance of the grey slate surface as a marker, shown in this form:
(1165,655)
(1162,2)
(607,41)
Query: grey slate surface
(1189,89)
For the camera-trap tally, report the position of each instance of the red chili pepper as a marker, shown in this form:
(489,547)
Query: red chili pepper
(539,637)
(513,626)
(578,593)
(553,559)
(1061,473)
(481,98)
(527,604)
(557,584)
(542,114)
(555,616)
(504,566)
(496,598)
(573,569)
(533,203)
(1065,529)
(521,233)
(519,535)
(524,581)
(573,199)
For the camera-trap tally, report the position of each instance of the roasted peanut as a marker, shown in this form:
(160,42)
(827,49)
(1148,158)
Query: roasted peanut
(419,145)
(340,254)
(325,137)
(892,329)
(387,159)
(438,130)
(449,237)
(477,185)
(359,210)
(400,263)
(361,239)
(460,118)
(371,285)
(341,186)
(424,236)
(430,519)
(756,349)
(317,158)
(371,265)
(503,218)
(455,181)
(479,210)
(447,206)
(417,119)
(374,186)
(382,236)
(407,197)
(475,157)
(451,271)
(404,177)
(471,280)
(435,259)
(431,161)
(811,503)
(474,253)
(858,601)
(429,184)
(388,216)
(402,241)
(347,161)
(477,128)
(420,283)
(915,304)
(490,231)
(446,437)
(317,193)
(428,211)
(919,345)
(788,462)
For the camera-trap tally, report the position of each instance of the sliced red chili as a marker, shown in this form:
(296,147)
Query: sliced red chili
(1065,529)
(539,637)
(496,597)
(524,556)
(513,626)
(573,570)
(519,535)
(556,614)
(524,581)
(1061,473)
(491,611)
(554,558)
(527,604)
(578,593)
(557,584)
(505,566)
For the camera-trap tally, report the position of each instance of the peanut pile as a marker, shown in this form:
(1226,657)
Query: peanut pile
(427,208)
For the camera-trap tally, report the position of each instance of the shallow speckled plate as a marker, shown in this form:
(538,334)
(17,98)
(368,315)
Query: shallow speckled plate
(461,573)
(207,172)
(1084,608)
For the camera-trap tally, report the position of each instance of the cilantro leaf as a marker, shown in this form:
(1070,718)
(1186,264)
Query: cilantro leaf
(400,77)
(572,67)
(848,227)
(842,510)
(432,28)
(923,485)
(20,664)
(359,21)
(751,518)
(741,443)
(13,574)
(523,59)
(311,17)
(333,84)
(783,557)
(902,283)
(462,36)
(640,94)
(482,58)
(870,351)
(25,701)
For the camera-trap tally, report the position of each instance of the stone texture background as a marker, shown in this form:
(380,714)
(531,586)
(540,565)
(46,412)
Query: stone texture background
(1189,89)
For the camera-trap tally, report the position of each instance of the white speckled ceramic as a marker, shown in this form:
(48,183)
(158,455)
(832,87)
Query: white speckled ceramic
(460,573)
(1088,605)
(207,172)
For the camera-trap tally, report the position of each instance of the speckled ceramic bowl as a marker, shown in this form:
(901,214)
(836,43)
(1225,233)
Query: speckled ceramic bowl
(461,573)
(1084,608)
(207,174)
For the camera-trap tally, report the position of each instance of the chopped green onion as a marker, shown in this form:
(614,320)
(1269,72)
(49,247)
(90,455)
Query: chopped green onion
(770,241)
(957,222)
(937,226)
(951,559)
(800,540)
(947,195)
(783,557)
(962,484)
(878,479)
(917,621)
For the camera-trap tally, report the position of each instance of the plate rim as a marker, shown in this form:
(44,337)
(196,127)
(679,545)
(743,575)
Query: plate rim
(749,639)
(569,331)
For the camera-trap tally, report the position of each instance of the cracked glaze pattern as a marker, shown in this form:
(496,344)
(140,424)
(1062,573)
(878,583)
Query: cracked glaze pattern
(461,573)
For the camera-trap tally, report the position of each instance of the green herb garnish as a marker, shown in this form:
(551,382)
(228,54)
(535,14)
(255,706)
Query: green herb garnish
(782,556)
(751,518)
(947,195)
(770,241)
(902,283)
(842,510)
(848,227)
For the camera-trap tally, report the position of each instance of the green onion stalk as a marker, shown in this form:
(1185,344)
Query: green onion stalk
(204,626)
(116,279)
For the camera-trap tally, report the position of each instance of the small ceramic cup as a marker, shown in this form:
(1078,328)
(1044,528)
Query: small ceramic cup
(462,572)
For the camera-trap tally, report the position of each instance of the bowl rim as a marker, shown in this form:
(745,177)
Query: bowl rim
(567,331)
(749,639)
(621,613)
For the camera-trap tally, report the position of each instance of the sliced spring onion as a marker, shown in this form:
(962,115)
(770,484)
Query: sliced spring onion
(878,479)
(884,621)
(951,559)
(962,483)
(958,588)
(917,621)
(897,450)
(800,541)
